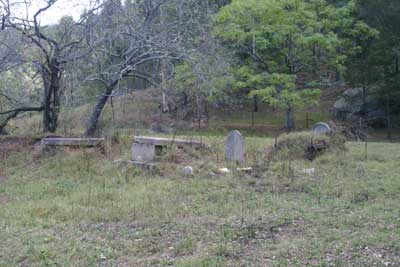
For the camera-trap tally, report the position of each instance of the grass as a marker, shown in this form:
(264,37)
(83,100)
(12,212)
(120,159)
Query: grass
(79,208)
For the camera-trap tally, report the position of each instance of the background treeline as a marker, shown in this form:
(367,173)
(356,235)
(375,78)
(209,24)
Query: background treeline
(193,58)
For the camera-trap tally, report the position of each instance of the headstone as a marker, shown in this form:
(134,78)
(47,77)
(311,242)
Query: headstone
(143,152)
(234,147)
(321,128)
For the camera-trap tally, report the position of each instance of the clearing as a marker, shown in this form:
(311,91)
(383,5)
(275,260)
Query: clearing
(79,208)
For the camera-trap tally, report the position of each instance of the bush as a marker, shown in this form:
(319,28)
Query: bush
(305,145)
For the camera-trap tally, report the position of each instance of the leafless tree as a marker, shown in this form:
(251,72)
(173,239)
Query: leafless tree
(55,52)
(10,57)
(131,38)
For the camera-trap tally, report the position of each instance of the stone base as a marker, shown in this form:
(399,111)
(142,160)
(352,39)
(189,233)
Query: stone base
(149,166)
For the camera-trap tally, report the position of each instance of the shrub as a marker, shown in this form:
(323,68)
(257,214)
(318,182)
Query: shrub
(305,145)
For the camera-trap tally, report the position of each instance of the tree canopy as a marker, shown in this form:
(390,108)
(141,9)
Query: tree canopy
(284,53)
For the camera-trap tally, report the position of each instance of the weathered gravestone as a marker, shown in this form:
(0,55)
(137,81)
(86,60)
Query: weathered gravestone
(145,148)
(234,147)
(143,152)
(321,128)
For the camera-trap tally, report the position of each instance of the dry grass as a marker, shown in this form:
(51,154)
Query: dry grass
(79,208)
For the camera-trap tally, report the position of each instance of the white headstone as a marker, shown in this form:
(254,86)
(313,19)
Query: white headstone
(321,128)
(143,152)
(234,147)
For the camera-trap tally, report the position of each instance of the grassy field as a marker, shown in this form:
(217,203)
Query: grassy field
(79,208)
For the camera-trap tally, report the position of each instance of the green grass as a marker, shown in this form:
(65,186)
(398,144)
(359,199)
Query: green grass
(79,208)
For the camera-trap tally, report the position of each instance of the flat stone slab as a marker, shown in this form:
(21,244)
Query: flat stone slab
(73,142)
(158,141)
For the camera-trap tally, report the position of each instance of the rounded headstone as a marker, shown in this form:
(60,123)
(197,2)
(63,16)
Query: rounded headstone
(321,128)
(234,147)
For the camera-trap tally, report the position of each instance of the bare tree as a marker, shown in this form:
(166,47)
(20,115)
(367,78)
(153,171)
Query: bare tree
(131,38)
(55,52)
(10,58)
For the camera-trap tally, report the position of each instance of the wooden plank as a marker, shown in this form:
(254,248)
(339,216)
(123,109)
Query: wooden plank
(158,141)
(75,142)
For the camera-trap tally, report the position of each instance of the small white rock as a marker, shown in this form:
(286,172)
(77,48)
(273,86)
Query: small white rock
(224,171)
(188,171)
(308,171)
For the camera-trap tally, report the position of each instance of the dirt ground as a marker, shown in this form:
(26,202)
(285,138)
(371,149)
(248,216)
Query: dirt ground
(11,144)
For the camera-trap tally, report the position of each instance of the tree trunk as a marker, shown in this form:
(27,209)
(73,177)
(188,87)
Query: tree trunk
(13,114)
(255,104)
(289,120)
(51,103)
(93,122)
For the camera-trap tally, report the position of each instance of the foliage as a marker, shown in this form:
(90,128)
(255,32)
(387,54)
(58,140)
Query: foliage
(381,54)
(297,145)
(277,42)
(219,52)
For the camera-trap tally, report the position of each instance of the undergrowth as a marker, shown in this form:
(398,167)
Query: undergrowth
(80,208)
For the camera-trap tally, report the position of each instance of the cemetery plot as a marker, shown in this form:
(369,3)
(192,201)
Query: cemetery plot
(72,142)
(145,148)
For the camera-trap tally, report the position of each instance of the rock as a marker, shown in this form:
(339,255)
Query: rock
(188,171)
(223,171)
(321,128)
(234,147)
(308,171)
(103,257)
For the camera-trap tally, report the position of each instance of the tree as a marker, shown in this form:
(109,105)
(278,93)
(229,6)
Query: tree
(277,43)
(11,103)
(384,51)
(119,52)
(53,51)
(370,34)
(196,77)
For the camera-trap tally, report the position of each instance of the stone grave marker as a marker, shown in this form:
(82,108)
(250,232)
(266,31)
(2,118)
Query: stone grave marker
(234,147)
(143,152)
(321,128)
